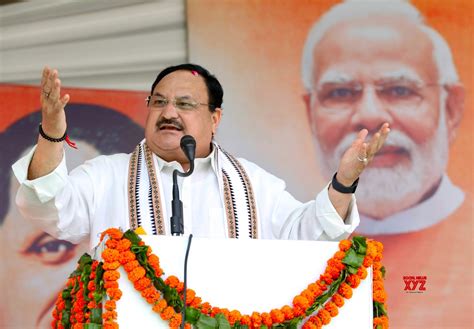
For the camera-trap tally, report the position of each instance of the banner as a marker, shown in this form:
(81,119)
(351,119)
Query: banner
(35,266)
(301,78)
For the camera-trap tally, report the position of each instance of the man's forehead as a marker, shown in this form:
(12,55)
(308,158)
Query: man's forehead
(379,28)
(383,47)
(181,83)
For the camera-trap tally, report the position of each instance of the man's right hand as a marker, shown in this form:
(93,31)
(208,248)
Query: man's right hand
(48,155)
(52,104)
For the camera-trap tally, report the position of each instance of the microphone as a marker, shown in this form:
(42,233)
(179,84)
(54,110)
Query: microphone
(188,145)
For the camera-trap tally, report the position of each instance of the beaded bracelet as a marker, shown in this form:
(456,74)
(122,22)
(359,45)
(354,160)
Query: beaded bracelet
(51,139)
(65,137)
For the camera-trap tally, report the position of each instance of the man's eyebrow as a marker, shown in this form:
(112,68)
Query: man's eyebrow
(177,97)
(184,97)
(401,76)
(333,76)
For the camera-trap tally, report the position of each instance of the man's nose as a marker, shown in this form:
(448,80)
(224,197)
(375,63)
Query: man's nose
(370,112)
(170,111)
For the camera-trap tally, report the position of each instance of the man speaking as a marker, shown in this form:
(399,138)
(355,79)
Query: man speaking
(225,196)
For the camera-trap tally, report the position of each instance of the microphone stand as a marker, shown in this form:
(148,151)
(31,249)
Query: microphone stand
(188,145)
(177,224)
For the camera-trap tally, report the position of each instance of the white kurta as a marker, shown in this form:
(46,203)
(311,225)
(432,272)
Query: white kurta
(94,197)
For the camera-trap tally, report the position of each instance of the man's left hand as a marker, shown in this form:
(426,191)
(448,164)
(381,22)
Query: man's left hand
(359,155)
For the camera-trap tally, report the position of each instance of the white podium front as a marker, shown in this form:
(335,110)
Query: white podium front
(244,275)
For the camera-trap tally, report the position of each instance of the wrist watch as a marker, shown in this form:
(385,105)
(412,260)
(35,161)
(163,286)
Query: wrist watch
(342,188)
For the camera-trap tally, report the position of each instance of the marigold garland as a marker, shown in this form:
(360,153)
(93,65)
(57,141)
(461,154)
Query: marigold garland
(93,282)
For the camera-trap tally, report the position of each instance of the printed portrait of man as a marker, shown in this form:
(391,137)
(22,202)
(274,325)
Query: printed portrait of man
(365,63)
(35,266)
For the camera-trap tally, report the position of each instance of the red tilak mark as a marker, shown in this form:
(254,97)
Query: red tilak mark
(194,73)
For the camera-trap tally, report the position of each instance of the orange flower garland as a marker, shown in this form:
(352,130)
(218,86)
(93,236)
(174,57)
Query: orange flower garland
(320,301)
(75,303)
(373,256)
(118,252)
(111,256)
(302,302)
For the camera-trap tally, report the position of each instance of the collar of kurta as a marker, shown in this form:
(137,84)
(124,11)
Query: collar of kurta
(145,170)
(211,159)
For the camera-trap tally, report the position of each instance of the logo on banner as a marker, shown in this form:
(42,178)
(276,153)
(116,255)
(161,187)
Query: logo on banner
(414,284)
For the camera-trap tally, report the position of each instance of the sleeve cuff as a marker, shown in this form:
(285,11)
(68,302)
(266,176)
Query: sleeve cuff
(332,223)
(45,187)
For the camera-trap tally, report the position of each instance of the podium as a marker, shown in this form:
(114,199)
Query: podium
(241,284)
(246,275)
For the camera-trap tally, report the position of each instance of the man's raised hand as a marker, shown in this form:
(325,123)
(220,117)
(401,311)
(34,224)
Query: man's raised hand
(52,104)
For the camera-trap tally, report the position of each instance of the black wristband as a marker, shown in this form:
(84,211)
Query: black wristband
(51,139)
(342,188)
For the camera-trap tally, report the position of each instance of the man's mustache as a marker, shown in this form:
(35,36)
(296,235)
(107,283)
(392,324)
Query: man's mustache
(169,122)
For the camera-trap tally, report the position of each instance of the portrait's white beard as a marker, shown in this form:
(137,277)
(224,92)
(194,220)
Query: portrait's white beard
(385,191)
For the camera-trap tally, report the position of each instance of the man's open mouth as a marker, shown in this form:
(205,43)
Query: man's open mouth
(169,127)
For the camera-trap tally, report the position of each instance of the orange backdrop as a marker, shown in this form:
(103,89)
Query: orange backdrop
(18,101)
(254,48)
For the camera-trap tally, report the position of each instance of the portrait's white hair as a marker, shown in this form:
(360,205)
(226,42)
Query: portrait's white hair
(353,9)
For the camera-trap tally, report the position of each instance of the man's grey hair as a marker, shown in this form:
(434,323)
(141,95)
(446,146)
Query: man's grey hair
(367,9)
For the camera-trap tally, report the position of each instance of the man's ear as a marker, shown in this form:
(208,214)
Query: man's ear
(309,113)
(216,118)
(454,109)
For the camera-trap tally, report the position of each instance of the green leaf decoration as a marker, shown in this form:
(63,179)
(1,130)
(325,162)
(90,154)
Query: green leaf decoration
(66,293)
(92,326)
(86,271)
(222,322)
(383,270)
(319,302)
(192,315)
(96,315)
(132,236)
(359,243)
(170,294)
(379,309)
(206,322)
(84,260)
(353,259)
(65,319)
(173,299)
(293,324)
(97,297)
(352,270)
(139,250)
